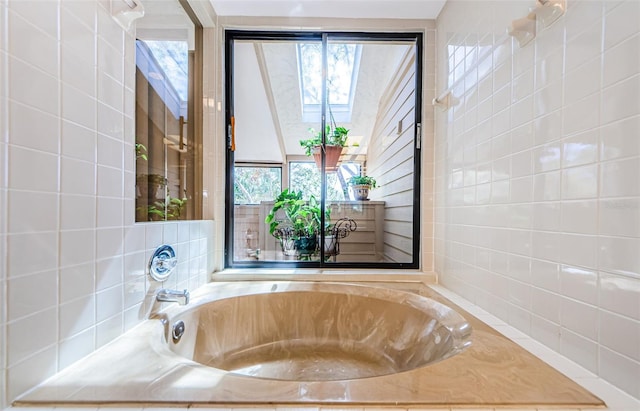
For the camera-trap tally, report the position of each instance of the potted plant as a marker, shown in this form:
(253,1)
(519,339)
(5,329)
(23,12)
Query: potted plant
(360,185)
(295,222)
(148,185)
(336,140)
(170,208)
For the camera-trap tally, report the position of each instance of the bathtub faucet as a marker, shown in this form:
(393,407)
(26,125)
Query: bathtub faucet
(173,296)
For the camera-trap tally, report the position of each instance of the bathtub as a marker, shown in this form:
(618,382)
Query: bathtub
(304,331)
(281,342)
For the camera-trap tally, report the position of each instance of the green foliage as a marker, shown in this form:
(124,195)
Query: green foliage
(170,208)
(305,177)
(336,137)
(341,59)
(141,152)
(303,217)
(254,184)
(362,180)
(151,179)
(175,206)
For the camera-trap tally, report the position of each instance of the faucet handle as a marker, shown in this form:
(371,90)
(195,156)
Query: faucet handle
(162,263)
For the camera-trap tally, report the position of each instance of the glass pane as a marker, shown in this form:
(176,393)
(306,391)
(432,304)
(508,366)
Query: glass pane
(368,137)
(306,177)
(276,217)
(344,59)
(373,221)
(252,185)
(165,150)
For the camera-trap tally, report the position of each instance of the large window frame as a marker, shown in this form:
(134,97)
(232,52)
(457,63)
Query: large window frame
(233,35)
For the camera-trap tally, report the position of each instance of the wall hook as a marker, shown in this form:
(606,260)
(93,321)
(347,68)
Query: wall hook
(548,11)
(445,101)
(524,29)
(124,12)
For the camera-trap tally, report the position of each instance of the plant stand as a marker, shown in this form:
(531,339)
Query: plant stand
(287,242)
(341,229)
(288,247)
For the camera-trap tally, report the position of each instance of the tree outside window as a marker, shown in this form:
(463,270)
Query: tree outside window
(255,184)
(305,177)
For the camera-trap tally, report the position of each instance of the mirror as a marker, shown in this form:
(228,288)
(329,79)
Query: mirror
(166,141)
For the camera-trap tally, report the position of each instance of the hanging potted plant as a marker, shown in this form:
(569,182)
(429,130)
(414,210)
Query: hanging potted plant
(360,186)
(336,140)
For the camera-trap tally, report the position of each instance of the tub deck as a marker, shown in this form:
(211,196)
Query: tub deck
(493,372)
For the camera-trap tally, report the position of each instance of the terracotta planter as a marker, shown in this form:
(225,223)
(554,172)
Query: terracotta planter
(361,191)
(332,157)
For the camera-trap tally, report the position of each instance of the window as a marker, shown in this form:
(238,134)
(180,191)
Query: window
(172,57)
(254,184)
(371,79)
(304,176)
(344,62)
(165,65)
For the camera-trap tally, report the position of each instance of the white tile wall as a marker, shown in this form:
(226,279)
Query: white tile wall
(546,137)
(4,131)
(75,273)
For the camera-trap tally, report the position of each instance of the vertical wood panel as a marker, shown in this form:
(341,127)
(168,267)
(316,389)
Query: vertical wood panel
(390,160)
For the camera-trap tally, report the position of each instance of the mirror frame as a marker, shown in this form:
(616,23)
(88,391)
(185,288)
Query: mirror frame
(195,109)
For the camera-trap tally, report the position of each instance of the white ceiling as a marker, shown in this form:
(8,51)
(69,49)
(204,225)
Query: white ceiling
(394,9)
(267,136)
(267,106)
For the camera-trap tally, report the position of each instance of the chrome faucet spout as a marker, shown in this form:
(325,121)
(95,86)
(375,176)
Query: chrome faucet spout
(173,296)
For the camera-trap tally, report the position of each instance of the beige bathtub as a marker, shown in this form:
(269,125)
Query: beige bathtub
(303,343)
(303,331)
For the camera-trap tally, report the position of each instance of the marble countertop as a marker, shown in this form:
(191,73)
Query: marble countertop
(139,369)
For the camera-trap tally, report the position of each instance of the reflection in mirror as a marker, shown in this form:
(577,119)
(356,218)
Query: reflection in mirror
(165,155)
(368,189)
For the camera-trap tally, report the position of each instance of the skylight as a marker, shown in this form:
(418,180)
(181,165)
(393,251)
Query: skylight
(173,59)
(342,63)
(165,65)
